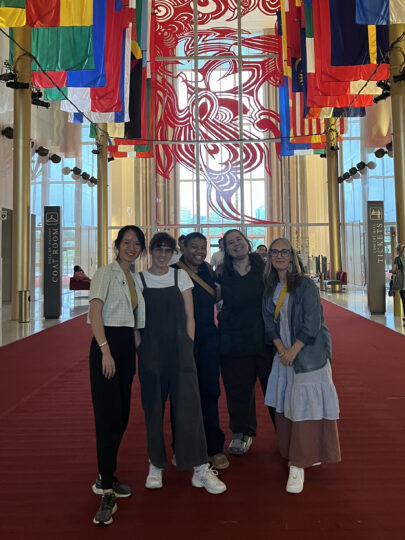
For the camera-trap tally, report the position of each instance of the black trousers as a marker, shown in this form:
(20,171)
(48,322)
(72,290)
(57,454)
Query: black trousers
(240,374)
(112,397)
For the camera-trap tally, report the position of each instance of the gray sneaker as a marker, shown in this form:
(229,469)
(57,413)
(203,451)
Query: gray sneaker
(240,444)
(107,508)
(120,490)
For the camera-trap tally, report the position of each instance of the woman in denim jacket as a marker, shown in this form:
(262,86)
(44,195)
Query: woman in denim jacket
(300,385)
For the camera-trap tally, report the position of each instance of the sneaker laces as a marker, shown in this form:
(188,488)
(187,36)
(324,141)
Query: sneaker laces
(107,501)
(211,470)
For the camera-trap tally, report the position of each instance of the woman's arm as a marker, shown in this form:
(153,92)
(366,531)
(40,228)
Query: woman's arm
(97,325)
(189,307)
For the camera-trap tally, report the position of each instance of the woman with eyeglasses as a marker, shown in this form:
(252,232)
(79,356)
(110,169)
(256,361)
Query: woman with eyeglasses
(244,354)
(167,369)
(300,385)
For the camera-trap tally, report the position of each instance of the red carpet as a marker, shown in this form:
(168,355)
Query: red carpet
(47,453)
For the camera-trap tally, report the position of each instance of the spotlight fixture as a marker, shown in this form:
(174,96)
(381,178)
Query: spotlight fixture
(93,180)
(384,85)
(399,77)
(8,132)
(16,85)
(334,148)
(66,170)
(85,176)
(371,165)
(346,176)
(111,158)
(323,155)
(361,167)
(55,158)
(40,103)
(76,171)
(383,96)
(8,76)
(340,179)
(352,171)
(42,151)
(380,153)
(95,151)
(90,184)
(389,147)
(356,175)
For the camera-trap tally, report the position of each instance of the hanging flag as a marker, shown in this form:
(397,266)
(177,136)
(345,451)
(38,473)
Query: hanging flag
(318,93)
(324,25)
(46,13)
(380,11)
(62,48)
(353,44)
(88,77)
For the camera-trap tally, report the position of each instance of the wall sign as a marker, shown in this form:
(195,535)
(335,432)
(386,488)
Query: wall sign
(52,262)
(376,257)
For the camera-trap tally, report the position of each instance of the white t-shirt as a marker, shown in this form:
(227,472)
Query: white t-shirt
(153,281)
(217,258)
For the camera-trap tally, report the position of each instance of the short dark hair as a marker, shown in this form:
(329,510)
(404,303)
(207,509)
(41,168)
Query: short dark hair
(77,268)
(162,239)
(261,245)
(194,235)
(133,228)
(181,237)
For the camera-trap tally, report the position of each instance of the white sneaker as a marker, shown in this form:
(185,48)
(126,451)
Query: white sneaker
(207,477)
(295,483)
(154,478)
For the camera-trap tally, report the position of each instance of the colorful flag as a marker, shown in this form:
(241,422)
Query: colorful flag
(88,77)
(354,44)
(380,11)
(323,26)
(46,13)
(61,48)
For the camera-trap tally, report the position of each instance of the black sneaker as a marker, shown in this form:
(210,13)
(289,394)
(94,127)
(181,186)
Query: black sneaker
(107,508)
(120,490)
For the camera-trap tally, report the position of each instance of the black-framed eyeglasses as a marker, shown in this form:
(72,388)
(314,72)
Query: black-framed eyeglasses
(283,252)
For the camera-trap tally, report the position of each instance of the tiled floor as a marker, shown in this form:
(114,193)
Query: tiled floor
(72,306)
(353,298)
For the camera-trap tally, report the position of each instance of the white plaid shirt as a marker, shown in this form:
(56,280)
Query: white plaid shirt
(109,284)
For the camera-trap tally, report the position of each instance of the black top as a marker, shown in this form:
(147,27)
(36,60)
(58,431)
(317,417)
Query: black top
(203,301)
(240,322)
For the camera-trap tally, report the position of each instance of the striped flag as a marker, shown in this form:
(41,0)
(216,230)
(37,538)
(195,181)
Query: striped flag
(46,13)
(380,12)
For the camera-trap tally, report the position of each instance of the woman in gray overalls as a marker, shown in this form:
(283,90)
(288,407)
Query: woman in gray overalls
(167,368)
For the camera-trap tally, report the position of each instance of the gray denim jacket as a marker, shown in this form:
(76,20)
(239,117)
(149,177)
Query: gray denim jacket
(306,322)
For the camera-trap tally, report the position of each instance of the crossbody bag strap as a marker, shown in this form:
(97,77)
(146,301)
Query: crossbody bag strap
(280,302)
(197,279)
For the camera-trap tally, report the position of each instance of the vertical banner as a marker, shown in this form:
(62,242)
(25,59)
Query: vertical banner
(376,257)
(52,262)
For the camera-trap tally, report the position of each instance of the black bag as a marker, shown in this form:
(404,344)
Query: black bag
(391,291)
(398,282)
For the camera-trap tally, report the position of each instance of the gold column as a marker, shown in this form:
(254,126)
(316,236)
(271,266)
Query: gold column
(21,177)
(102,197)
(398,127)
(333,197)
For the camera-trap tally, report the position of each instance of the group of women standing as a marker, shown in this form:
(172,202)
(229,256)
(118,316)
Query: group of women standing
(265,309)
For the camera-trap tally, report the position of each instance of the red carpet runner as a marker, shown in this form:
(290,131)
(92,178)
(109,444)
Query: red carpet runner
(48,462)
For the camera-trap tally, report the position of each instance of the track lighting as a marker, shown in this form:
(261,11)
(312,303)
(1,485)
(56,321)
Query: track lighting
(85,176)
(399,77)
(380,153)
(55,158)
(8,132)
(42,151)
(16,85)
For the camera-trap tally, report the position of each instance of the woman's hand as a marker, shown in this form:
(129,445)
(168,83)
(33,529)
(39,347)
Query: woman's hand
(108,363)
(287,357)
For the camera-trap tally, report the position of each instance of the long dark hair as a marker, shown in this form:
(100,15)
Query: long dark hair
(136,230)
(255,260)
(294,272)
